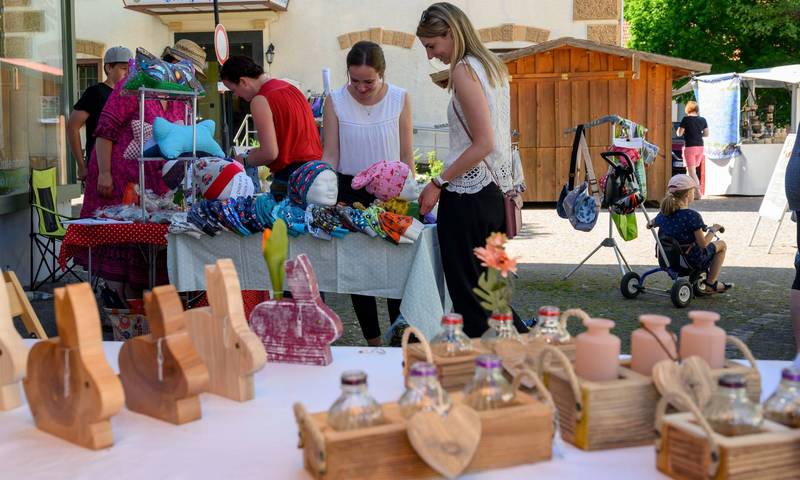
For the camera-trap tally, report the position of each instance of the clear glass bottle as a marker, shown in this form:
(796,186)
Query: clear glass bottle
(488,389)
(424,393)
(501,328)
(730,412)
(451,341)
(548,327)
(783,406)
(354,408)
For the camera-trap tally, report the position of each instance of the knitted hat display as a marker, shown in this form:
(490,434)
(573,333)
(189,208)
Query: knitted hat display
(384,179)
(218,178)
(301,179)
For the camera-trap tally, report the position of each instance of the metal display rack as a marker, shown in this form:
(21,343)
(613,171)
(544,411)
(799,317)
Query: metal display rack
(189,100)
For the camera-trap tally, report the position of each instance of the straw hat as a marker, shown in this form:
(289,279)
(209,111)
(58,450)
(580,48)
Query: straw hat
(188,50)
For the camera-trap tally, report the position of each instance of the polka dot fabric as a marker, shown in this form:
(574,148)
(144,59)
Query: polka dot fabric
(79,237)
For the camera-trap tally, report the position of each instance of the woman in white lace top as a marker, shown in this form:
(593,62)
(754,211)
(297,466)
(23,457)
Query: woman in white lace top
(478,169)
(365,122)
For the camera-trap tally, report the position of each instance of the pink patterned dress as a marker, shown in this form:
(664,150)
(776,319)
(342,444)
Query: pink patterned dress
(124,262)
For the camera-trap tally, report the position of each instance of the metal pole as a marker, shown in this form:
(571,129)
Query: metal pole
(141,155)
(226,141)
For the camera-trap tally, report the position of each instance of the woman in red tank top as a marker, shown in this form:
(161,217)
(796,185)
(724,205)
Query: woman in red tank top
(287,132)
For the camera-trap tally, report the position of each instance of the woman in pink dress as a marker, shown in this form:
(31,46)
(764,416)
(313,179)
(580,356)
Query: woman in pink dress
(108,175)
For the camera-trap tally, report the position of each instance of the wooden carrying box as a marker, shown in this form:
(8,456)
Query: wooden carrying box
(515,435)
(689,449)
(454,372)
(600,415)
(750,373)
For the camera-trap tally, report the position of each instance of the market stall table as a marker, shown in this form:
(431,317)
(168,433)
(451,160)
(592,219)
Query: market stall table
(356,264)
(79,237)
(258,439)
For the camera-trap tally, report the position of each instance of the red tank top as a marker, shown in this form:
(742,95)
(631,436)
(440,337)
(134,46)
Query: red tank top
(295,129)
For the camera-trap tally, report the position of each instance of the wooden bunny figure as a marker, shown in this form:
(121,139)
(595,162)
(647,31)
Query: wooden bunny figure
(161,372)
(72,390)
(222,337)
(13,355)
(299,329)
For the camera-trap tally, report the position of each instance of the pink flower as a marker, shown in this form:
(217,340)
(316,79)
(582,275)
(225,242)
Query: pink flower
(505,265)
(487,256)
(496,241)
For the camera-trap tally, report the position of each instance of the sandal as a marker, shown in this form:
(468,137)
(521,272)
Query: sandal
(714,287)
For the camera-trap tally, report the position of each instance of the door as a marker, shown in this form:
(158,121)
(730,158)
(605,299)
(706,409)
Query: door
(250,44)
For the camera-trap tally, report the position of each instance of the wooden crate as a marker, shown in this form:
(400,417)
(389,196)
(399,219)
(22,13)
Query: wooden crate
(515,435)
(689,449)
(601,415)
(454,372)
(750,373)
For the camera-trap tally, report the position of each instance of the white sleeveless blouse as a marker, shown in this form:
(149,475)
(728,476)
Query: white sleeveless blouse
(368,134)
(499,159)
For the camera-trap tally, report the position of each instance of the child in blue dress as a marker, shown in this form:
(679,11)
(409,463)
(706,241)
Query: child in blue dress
(686,226)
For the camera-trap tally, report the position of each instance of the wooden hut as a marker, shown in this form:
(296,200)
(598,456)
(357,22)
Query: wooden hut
(558,84)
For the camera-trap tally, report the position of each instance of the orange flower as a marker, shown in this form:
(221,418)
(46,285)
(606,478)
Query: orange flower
(496,241)
(487,256)
(264,239)
(505,265)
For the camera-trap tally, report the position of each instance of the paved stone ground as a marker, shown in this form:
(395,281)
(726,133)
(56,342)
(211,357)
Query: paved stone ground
(756,310)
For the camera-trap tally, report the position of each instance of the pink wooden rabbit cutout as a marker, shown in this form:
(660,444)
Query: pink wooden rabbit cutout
(298,329)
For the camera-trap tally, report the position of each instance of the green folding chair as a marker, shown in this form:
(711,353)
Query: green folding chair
(50,229)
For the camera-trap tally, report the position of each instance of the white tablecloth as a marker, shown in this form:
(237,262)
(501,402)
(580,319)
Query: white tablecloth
(356,263)
(258,439)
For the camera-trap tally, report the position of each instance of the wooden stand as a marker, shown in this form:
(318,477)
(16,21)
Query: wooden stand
(600,415)
(161,372)
(454,372)
(230,350)
(515,435)
(751,375)
(20,306)
(72,390)
(13,356)
(690,449)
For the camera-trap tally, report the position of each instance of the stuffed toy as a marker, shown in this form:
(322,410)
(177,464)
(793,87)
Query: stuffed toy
(387,180)
(149,71)
(174,140)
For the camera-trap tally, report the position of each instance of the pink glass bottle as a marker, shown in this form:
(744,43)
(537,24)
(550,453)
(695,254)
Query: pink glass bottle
(704,339)
(597,351)
(651,343)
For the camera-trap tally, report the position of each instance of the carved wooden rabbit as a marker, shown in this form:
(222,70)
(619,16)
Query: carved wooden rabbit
(72,390)
(230,350)
(299,329)
(161,372)
(13,355)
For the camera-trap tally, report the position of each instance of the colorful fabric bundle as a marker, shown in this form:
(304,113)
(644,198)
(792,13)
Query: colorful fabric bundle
(372,217)
(150,71)
(294,216)
(324,222)
(218,178)
(400,228)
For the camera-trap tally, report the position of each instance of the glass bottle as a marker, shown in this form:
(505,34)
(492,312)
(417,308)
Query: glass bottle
(548,327)
(783,406)
(730,412)
(354,408)
(488,389)
(451,341)
(424,393)
(501,328)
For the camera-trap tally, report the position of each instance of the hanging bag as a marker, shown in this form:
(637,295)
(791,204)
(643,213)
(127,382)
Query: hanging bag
(581,204)
(512,199)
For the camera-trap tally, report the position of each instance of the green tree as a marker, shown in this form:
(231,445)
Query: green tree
(731,35)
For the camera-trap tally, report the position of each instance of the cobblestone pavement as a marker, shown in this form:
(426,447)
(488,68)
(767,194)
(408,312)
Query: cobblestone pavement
(756,310)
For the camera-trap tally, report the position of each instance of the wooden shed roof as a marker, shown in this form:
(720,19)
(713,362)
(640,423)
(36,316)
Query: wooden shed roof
(689,66)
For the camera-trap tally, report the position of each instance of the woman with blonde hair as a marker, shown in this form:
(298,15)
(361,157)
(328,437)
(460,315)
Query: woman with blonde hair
(478,168)
(693,128)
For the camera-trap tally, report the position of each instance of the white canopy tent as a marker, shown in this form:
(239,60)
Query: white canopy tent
(786,76)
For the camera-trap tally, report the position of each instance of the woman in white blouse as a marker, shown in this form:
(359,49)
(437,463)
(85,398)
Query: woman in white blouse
(364,122)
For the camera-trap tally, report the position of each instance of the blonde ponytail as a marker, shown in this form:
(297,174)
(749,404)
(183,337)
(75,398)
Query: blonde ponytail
(674,201)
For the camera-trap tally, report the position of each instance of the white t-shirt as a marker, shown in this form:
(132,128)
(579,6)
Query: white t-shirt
(368,134)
